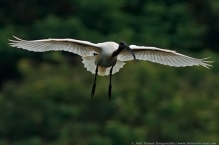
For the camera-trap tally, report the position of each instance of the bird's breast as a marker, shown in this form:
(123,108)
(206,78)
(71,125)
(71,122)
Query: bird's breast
(105,60)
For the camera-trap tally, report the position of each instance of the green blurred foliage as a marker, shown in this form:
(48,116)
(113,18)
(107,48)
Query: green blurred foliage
(45,97)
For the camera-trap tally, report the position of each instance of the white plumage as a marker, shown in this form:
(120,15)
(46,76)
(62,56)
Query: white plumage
(108,58)
(104,50)
(162,56)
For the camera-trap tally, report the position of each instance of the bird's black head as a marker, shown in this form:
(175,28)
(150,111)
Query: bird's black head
(123,45)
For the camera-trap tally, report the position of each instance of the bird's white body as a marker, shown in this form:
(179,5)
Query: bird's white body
(101,54)
(104,58)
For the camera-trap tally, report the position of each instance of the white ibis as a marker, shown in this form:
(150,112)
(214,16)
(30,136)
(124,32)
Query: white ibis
(108,57)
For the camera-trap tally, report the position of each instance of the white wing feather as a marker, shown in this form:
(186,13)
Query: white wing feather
(82,48)
(162,56)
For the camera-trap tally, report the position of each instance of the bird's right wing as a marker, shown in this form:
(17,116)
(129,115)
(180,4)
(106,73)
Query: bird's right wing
(82,48)
(162,56)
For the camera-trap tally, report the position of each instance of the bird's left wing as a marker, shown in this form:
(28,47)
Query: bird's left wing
(162,56)
(82,48)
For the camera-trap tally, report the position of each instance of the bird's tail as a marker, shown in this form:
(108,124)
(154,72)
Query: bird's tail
(101,70)
(88,62)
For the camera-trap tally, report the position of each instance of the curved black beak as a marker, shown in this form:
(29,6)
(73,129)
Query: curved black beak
(130,50)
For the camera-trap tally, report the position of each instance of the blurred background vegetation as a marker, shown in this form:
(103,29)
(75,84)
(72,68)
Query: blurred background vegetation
(45,97)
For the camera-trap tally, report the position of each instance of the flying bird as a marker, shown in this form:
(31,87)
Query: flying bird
(107,58)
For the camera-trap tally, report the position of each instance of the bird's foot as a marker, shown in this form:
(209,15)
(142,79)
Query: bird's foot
(93,91)
(109,91)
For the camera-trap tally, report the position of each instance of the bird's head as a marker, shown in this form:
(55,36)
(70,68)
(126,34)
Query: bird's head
(123,45)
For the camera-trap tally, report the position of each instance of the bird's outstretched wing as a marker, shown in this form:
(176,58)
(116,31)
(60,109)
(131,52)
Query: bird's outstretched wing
(82,48)
(162,56)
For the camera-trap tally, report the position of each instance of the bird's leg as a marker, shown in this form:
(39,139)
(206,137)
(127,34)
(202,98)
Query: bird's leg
(110,86)
(94,85)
